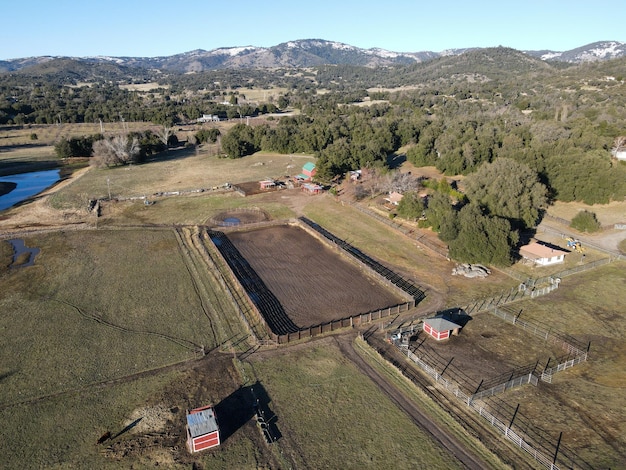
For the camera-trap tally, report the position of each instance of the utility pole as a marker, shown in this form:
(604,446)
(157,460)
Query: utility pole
(109,188)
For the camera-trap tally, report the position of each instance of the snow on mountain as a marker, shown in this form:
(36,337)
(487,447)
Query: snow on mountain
(602,50)
(233,51)
(314,52)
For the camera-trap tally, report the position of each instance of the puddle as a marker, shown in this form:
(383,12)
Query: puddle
(19,248)
(229,221)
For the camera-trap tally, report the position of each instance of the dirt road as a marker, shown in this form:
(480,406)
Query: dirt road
(421,419)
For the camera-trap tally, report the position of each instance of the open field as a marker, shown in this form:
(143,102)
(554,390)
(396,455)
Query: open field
(331,416)
(586,403)
(178,170)
(607,214)
(100,305)
(106,328)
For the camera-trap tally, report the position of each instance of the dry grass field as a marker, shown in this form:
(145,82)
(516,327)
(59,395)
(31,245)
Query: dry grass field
(586,402)
(105,328)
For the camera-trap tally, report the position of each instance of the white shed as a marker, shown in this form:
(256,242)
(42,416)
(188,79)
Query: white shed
(541,254)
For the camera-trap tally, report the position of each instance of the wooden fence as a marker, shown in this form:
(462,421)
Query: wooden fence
(521,440)
(347,322)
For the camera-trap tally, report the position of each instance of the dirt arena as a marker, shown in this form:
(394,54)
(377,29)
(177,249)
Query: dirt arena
(310,281)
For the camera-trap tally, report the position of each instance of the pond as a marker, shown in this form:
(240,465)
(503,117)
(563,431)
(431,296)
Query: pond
(25,185)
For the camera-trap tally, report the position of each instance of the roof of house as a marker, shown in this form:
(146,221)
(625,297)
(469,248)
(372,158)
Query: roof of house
(394,196)
(201,421)
(441,324)
(309,166)
(536,250)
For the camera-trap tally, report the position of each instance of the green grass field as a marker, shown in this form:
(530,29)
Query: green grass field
(333,417)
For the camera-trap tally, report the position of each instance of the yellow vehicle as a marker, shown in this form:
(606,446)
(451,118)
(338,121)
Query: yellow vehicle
(575,244)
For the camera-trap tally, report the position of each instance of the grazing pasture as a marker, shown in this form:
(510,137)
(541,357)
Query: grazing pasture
(110,323)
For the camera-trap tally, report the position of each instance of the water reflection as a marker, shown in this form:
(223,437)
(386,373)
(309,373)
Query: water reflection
(27,185)
(19,248)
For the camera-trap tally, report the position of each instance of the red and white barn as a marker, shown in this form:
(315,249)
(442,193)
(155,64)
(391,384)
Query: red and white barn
(440,328)
(202,429)
(541,254)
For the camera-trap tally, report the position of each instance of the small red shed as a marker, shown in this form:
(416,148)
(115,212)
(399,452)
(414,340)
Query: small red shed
(440,328)
(202,429)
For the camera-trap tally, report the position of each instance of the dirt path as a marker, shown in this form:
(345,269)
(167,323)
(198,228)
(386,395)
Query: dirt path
(420,418)
(607,240)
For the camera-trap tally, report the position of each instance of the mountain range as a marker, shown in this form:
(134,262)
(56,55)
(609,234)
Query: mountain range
(309,53)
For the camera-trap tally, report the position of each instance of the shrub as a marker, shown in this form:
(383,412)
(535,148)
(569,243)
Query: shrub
(585,221)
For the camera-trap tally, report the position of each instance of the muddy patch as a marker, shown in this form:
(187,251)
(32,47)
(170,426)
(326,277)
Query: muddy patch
(238,217)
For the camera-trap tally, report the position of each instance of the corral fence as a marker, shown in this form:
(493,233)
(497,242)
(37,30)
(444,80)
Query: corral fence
(249,315)
(567,272)
(531,441)
(163,194)
(524,290)
(394,278)
(576,352)
(266,310)
(347,322)
(503,387)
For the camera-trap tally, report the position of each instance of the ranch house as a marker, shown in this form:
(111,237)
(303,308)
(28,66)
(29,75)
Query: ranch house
(542,255)
(440,328)
(202,429)
(394,198)
(209,118)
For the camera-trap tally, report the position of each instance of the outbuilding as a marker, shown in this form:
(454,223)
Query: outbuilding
(267,184)
(440,328)
(541,254)
(312,188)
(202,429)
(308,172)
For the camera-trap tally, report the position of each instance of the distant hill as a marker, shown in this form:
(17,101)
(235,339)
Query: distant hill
(602,50)
(302,53)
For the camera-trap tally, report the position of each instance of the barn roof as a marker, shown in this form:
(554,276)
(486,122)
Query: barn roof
(201,421)
(309,166)
(536,250)
(441,324)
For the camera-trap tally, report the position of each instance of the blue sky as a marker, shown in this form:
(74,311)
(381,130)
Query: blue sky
(150,28)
